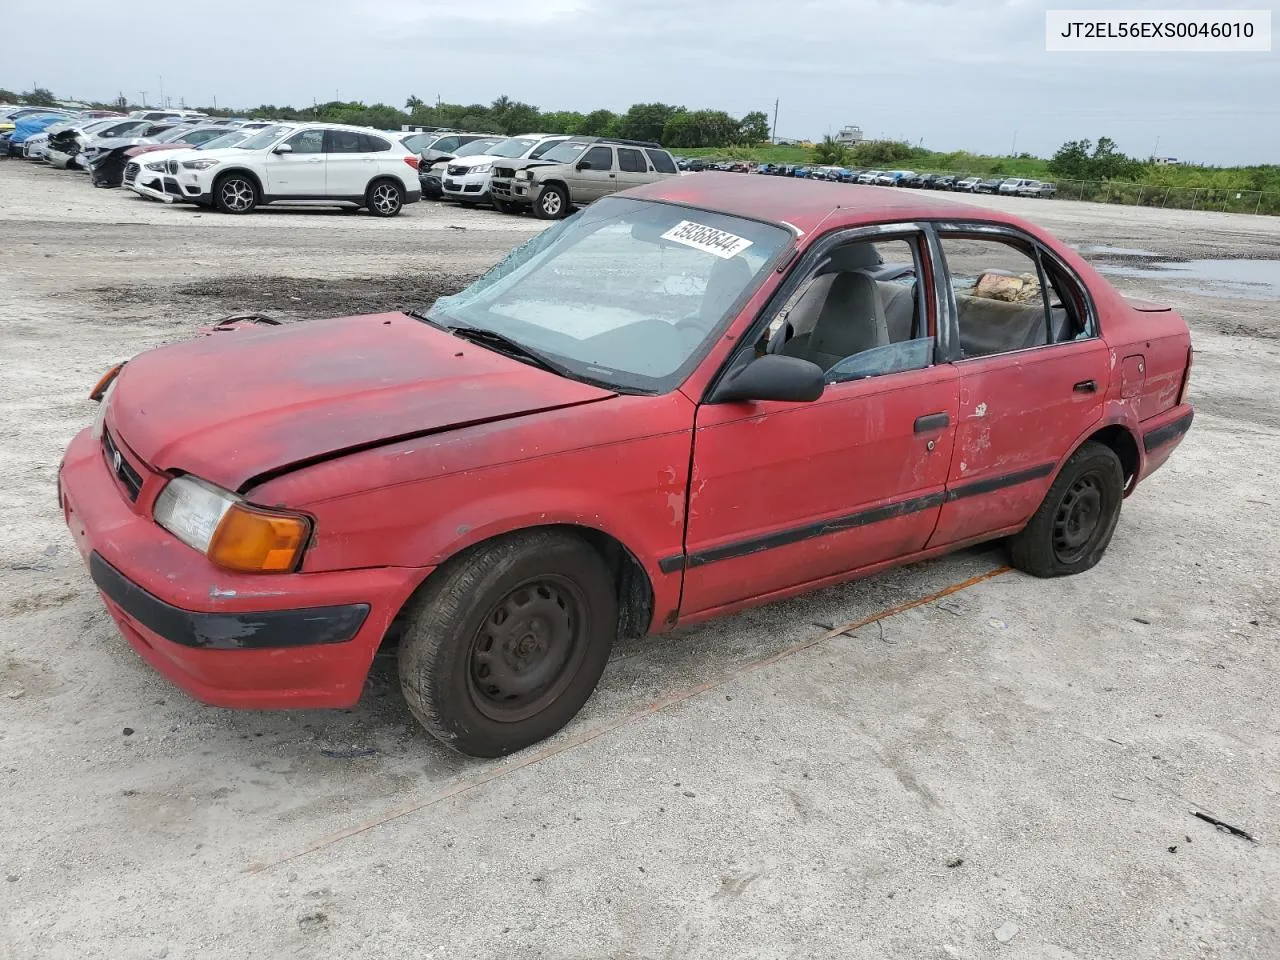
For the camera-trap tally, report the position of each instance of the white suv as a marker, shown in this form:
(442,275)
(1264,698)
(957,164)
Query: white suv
(311,164)
(466,179)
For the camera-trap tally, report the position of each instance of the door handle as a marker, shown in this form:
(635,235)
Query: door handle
(1086,386)
(314,160)
(932,421)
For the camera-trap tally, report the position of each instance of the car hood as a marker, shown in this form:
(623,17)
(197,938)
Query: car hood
(473,161)
(114,143)
(253,402)
(153,147)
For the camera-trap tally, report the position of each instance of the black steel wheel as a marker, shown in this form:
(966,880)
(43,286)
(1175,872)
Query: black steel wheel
(527,649)
(505,643)
(1074,524)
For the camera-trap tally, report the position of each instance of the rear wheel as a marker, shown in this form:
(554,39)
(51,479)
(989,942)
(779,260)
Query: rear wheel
(507,642)
(385,198)
(1073,526)
(235,193)
(502,206)
(552,203)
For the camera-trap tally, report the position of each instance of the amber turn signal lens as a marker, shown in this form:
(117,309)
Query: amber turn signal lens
(100,388)
(258,541)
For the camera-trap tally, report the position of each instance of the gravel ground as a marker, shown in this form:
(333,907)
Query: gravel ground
(1011,771)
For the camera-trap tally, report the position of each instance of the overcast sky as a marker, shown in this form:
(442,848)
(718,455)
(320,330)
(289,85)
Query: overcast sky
(954,75)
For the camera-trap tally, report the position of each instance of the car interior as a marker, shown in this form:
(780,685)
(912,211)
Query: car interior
(861,302)
(860,314)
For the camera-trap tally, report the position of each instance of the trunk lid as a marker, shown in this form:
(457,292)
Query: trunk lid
(236,405)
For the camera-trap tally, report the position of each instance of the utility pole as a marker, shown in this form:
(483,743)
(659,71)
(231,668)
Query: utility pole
(773,138)
(215,101)
(1013,150)
(1155,151)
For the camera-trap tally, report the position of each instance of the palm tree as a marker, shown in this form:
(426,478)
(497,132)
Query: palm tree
(831,153)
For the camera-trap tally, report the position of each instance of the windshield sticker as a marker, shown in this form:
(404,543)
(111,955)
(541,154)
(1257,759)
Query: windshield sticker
(719,243)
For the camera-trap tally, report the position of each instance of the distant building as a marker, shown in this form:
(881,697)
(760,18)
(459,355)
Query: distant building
(1165,161)
(849,135)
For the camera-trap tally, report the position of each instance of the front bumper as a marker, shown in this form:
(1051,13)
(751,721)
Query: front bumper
(513,191)
(472,187)
(227,639)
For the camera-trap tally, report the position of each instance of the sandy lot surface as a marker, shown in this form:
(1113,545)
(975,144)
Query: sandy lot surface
(1009,772)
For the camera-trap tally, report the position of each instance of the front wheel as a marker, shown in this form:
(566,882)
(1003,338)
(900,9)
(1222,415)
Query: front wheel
(503,206)
(552,203)
(506,643)
(235,194)
(384,198)
(1073,526)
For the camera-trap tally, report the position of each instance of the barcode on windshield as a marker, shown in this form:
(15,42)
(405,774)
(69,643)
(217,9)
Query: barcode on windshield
(720,243)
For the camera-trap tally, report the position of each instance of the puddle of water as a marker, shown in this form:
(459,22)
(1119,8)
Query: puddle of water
(1232,279)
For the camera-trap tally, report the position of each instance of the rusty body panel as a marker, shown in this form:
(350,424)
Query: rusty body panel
(406,446)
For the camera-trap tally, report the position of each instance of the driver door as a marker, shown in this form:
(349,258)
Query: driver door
(597,179)
(299,173)
(788,494)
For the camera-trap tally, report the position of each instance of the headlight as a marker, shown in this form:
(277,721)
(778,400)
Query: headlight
(158,166)
(199,164)
(523,175)
(231,533)
(482,168)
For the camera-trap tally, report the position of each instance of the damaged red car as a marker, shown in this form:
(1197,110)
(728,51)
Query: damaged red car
(686,399)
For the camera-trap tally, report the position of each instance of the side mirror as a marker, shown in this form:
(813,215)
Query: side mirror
(283,148)
(772,377)
(584,164)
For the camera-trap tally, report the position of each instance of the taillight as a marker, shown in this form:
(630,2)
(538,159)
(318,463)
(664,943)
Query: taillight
(412,161)
(1186,377)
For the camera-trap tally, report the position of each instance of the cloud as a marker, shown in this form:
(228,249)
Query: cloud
(953,75)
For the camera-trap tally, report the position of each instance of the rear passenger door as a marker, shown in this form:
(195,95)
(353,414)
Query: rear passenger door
(633,168)
(1033,375)
(593,175)
(350,167)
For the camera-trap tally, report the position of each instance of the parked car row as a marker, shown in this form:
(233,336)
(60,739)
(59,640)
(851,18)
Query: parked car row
(547,175)
(909,178)
(233,165)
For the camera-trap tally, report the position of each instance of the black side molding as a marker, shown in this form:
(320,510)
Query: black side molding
(262,630)
(783,538)
(991,484)
(671,564)
(1158,437)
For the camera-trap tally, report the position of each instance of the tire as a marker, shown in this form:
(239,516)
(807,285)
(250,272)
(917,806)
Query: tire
(1070,531)
(235,193)
(502,206)
(552,203)
(507,642)
(384,198)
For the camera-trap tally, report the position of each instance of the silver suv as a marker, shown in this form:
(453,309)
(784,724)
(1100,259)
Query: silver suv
(576,172)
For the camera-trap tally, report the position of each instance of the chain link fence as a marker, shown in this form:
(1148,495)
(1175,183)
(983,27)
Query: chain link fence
(1221,199)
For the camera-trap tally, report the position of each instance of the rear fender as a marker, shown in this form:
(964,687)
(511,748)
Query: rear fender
(1122,414)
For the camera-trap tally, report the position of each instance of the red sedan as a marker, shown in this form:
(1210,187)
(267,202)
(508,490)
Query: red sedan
(689,398)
